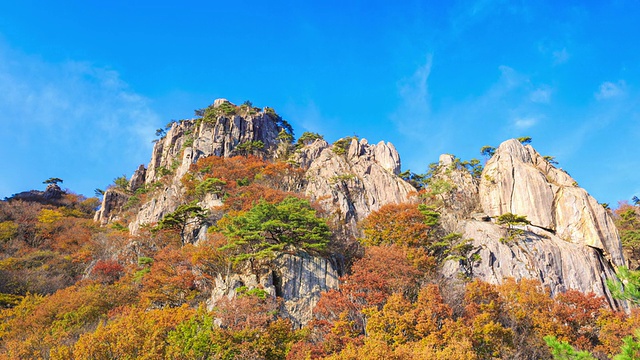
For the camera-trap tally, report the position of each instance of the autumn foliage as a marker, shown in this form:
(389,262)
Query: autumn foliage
(70,289)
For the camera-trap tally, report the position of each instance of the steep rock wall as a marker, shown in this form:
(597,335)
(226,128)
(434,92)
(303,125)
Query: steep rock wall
(518,180)
(201,139)
(298,278)
(537,254)
(571,243)
(354,182)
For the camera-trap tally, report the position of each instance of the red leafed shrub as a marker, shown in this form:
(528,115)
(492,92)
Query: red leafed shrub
(107,271)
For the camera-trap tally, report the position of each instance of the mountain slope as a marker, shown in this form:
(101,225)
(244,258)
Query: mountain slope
(568,229)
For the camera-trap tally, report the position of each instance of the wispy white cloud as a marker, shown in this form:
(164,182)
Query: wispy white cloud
(555,51)
(414,110)
(560,56)
(525,123)
(69,114)
(610,90)
(473,12)
(510,78)
(509,106)
(540,95)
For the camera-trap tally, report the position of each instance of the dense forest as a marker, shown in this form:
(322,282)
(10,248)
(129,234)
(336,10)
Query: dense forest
(73,288)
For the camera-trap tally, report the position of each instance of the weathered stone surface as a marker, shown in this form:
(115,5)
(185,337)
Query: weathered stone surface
(168,149)
(387,156)
(511,183)
(298,279)
(446,159)
(571,243)
(152,211)
(353,184)
(137,179)
(306,155)
(112,202)
(187,141)
(206,138)
(462,199)
(518,180)
(53,192)
(537,254)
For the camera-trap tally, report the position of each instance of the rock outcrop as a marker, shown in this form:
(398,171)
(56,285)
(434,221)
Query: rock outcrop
(571,243)
(462,198)
(138,178)
(352,182)
(187,141)
(220,137)
(349,180)
(298,279)
(536,254)
(112,203)
(518,180)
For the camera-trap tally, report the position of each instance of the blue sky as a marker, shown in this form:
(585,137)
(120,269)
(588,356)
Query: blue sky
(84,85)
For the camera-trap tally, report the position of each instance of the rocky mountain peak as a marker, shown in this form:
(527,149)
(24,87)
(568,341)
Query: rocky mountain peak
(518,180)
(352,178)
(219,102)
(223,130)
(571,241)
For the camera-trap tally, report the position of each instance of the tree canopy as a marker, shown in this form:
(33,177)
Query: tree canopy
(267,228)
(53,180)
(487,151)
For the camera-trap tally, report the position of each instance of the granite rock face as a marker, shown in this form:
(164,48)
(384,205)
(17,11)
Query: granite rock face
(189,140)
(196,140)
(298,278)
(518,180)
(537,254)
(352,182)
(463,197)
(571,243)
(112,203)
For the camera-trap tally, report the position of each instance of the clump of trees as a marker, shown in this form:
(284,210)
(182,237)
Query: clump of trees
(269,228)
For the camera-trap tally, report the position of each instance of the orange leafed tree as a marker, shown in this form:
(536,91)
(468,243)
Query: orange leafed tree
(400,224)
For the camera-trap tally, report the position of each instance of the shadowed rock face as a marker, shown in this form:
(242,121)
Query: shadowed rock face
(298,278)
(112,203)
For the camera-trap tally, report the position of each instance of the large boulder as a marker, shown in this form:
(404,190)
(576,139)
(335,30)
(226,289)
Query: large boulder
(536,254)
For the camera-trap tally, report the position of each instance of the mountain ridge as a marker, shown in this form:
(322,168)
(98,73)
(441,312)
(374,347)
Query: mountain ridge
(351,178)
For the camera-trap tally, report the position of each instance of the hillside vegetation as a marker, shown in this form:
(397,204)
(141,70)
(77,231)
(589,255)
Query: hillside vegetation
(73,288)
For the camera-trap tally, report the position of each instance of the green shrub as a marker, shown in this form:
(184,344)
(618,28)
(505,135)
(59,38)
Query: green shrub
(249,147)
(308,138)
(340,147)
(210,185)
